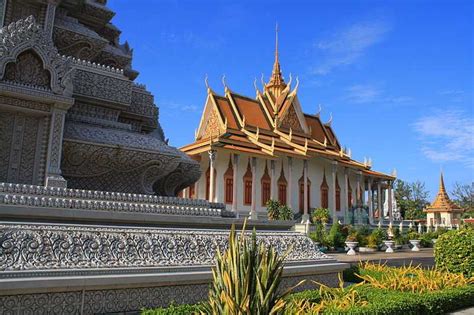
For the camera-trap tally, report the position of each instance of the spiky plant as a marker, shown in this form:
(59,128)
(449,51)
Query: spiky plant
(246,278)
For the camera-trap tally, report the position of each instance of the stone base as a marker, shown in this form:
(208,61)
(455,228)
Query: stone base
(55,181)
(125,296)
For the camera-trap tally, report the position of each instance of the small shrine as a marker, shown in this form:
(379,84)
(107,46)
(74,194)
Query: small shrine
(443,211)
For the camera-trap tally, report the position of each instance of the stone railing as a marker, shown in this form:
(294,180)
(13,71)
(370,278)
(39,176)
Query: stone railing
(36,247)
(54,197)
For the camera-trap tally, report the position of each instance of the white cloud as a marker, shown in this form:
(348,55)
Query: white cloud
(349,45)
(176,107)
(361,93)
(447,135)
(368,93)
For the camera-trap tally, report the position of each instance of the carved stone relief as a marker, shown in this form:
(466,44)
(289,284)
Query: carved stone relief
(28,69)
(22,147)
(102,86)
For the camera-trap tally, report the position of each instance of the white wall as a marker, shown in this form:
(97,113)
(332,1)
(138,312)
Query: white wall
(316,167)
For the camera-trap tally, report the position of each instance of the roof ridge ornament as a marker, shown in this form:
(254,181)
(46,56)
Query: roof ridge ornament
(263,81)
(330,120)
(226,88)
(318,114)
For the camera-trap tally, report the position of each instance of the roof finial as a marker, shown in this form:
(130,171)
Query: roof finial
(207,82)
(319,111)
(276,42)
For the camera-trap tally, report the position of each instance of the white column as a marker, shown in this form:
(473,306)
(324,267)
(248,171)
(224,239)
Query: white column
(305,218)
(273,180)
(253,212)
(390,214)
(345,200)
(370,201)
(333,191)
(379,200)
(235,183)
(212,161)
(290,183)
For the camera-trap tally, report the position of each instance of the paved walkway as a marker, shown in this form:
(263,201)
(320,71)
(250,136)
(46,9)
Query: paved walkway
(466,311)
(402,257)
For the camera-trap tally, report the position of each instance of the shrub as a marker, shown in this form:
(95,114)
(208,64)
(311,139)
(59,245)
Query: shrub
(378,236)
(277,211)
(454,251)
(273,207)
(320,215)
(285,213)
(319,235)
(246,278)
(335,238)
(410,279)
(173,309)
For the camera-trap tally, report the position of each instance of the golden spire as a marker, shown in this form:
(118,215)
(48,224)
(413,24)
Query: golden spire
(442,201)
(442,189)
(276,84)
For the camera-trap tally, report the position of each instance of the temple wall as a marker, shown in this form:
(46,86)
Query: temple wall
(316,169)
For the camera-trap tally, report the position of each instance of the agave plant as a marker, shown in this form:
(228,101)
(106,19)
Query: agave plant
(246,278)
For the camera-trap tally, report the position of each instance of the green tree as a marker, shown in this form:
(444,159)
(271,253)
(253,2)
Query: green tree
(411,198)
(463,195)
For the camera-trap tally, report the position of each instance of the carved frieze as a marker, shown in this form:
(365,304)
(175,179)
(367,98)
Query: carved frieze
(49,247)
(101,86)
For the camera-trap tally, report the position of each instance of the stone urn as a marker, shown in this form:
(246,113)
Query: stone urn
(351,246)
(416,244)
(389,245)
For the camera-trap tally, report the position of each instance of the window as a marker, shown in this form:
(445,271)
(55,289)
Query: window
(266,186)
(282,187)
(338,195)
(324,193)
(248,185)
(301,193)
(229,183)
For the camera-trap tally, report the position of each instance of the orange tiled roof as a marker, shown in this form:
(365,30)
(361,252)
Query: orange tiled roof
(271,125)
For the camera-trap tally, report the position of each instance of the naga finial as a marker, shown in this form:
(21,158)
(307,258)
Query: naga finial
(223,81)
(206,82)
(297,84)
(319,111)
(261,80)
(330,120)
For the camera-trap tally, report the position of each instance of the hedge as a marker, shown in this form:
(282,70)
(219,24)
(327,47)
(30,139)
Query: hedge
(454,251)
(380,302)
(404,303)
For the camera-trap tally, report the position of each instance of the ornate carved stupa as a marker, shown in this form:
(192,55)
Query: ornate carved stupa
(70,111)
(443,211)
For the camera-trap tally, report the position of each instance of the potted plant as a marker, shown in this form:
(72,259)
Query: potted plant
(371,244)
(351,242)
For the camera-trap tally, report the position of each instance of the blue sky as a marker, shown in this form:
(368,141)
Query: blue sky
(397,76)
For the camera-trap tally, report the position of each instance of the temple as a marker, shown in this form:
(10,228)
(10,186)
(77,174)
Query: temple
(255,149)
(443,211)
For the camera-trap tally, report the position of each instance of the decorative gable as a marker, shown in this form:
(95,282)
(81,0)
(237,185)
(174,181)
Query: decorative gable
(291,120)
